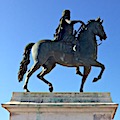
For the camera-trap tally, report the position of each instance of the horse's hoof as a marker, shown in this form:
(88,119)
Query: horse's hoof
(51,89)
(81,90)
(26,90)
(95,79)
(19,80)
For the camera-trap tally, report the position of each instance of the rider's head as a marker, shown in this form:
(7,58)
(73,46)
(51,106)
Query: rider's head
(66,14)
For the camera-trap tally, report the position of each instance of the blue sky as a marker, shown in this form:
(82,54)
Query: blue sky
(25,21)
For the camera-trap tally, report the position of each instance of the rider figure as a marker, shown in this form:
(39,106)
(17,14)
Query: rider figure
(64,31)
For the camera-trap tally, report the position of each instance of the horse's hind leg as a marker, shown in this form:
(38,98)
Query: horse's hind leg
(85,74)
(35,66)
(98,64)
(47,67)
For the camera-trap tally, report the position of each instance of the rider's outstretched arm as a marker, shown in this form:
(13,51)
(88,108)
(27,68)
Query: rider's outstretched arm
(74,21)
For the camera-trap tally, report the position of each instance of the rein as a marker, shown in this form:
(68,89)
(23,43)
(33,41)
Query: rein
(99,43)
(80,28)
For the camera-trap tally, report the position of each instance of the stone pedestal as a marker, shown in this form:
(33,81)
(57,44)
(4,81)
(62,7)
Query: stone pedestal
(61,106)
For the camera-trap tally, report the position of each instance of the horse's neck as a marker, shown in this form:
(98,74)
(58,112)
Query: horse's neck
(87,42)
(86,36)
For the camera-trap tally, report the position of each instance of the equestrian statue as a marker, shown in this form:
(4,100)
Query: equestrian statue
(69,48)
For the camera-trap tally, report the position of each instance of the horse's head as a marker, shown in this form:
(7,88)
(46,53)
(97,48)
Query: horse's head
(97,28)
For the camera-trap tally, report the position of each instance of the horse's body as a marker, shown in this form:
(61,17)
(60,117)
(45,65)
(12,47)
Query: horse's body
(47,53)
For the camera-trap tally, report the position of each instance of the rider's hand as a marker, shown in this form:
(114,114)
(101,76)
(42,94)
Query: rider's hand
(82,22)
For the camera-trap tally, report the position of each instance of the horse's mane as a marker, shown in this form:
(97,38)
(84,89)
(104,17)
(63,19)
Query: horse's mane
(86,26)
(88,23)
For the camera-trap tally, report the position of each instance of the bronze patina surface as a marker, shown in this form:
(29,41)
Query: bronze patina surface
(68,49)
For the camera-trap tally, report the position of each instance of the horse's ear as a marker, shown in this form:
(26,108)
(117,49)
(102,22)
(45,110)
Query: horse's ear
(101,21)
(98,19)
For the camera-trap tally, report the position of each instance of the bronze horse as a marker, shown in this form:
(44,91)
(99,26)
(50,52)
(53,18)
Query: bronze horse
(48,53)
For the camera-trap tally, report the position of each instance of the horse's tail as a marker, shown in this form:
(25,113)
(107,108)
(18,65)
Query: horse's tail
(25,61)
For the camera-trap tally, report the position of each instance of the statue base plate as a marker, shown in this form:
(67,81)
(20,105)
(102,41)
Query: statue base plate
(61,106)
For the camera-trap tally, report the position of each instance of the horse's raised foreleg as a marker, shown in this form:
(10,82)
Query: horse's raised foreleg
(29,73)
(86,73)
(98,64)
(47,67)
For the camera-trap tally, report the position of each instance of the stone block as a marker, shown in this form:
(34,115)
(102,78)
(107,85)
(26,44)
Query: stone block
(61,106)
